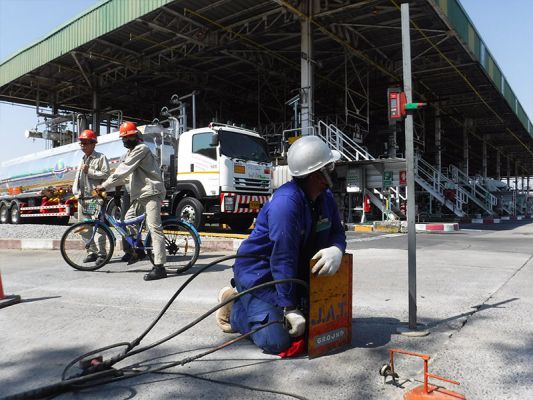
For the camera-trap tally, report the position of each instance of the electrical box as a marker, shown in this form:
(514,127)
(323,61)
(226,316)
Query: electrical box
(354,180)
(396,104)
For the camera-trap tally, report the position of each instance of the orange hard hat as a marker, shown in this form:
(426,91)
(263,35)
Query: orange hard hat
(87,134)
(128,129)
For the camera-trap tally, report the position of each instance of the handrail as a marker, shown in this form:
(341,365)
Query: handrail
(284,137)
(396,191)
(476,189)
(438,180)
(341,142)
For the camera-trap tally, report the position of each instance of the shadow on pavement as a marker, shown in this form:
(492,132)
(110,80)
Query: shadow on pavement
(373,332)
(502,226)
(438,324)
(30,300)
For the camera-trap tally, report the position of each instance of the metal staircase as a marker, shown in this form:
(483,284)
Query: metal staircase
(341,142)
(475,192)
(440,187)
(437,184)
(352,151)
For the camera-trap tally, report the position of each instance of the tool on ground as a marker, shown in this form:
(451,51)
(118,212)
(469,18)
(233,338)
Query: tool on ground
(424,391)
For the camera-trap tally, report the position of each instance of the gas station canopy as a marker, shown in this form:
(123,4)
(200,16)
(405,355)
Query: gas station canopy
(243,57)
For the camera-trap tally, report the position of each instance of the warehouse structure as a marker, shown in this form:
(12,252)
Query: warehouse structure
(288,68)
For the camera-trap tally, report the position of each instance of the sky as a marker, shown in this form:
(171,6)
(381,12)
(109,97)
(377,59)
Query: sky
(505,27)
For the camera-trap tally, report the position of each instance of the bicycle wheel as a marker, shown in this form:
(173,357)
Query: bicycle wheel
(79,238)
(181,246)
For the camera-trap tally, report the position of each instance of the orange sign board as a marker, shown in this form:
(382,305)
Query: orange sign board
(330,310)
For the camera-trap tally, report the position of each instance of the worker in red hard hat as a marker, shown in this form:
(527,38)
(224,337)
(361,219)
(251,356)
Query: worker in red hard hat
(146,189)
(92,171)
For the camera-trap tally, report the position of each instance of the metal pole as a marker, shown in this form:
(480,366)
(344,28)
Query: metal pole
(409,155)
(466,126)
(508,171)
(498,165)
(307,70)
(194,110)
(438,154)
(484,157)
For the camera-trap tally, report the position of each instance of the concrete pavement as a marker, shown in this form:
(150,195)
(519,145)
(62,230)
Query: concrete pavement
(473,294)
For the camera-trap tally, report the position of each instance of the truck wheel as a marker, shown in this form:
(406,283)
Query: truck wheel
(242,224)
(5,216)
(14,212)
(191,210)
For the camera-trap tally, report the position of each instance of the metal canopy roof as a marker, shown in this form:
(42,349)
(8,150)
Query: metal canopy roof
(244,57)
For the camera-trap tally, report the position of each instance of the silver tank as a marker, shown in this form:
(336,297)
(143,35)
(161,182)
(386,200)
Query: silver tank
(57,167)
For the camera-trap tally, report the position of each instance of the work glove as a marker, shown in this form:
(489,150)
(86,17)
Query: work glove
(296,320)
(329,261)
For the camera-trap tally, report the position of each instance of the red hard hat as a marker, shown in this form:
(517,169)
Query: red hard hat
(128,129)
(87,134)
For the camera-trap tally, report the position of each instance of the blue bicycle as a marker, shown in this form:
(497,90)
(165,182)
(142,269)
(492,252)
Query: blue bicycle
(89,245)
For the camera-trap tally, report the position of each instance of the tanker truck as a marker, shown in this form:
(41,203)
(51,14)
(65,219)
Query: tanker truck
(217,174)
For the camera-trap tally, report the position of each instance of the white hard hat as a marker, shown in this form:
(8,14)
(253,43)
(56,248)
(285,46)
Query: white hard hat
(308,154)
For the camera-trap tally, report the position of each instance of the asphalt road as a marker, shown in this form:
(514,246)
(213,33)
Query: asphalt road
(473,293)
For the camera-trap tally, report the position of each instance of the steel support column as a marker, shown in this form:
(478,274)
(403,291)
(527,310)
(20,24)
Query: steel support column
(466,126)
(438,153)
(498,166)
(508,171)
(484,159)
(307,69)
(96,112)
(516,175)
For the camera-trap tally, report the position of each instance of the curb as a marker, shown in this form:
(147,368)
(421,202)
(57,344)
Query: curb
(362,228)
(495,220)
(208,244)
(444,227)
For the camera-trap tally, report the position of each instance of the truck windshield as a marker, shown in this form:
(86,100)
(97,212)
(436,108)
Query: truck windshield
(244,147)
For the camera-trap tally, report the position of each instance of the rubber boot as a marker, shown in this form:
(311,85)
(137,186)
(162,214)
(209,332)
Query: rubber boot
(158,272)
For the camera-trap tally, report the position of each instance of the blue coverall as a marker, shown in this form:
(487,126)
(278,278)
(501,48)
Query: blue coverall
(289,230)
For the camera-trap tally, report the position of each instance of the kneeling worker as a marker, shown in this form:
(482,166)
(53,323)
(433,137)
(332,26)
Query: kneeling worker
(299,223)
(146,189)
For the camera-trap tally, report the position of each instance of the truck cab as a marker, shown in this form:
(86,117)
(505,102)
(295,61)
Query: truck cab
(223,175)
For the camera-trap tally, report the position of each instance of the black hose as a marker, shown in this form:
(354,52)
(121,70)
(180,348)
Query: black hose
(212,310)
(186,360)
(136,341)
(103,370)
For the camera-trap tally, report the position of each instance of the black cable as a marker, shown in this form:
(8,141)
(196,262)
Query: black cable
(136,341)
(253,389)
(207,313)
(104,369)
(182,287)
(190,359)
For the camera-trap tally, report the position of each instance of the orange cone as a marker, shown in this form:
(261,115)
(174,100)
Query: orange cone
(7,300)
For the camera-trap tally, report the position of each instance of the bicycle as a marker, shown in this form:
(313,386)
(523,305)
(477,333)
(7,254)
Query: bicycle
(182,242)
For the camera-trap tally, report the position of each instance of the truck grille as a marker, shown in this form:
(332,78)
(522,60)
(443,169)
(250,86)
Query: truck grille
(249,184)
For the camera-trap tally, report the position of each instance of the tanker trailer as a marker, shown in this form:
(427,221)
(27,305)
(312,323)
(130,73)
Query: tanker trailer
(38,187)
